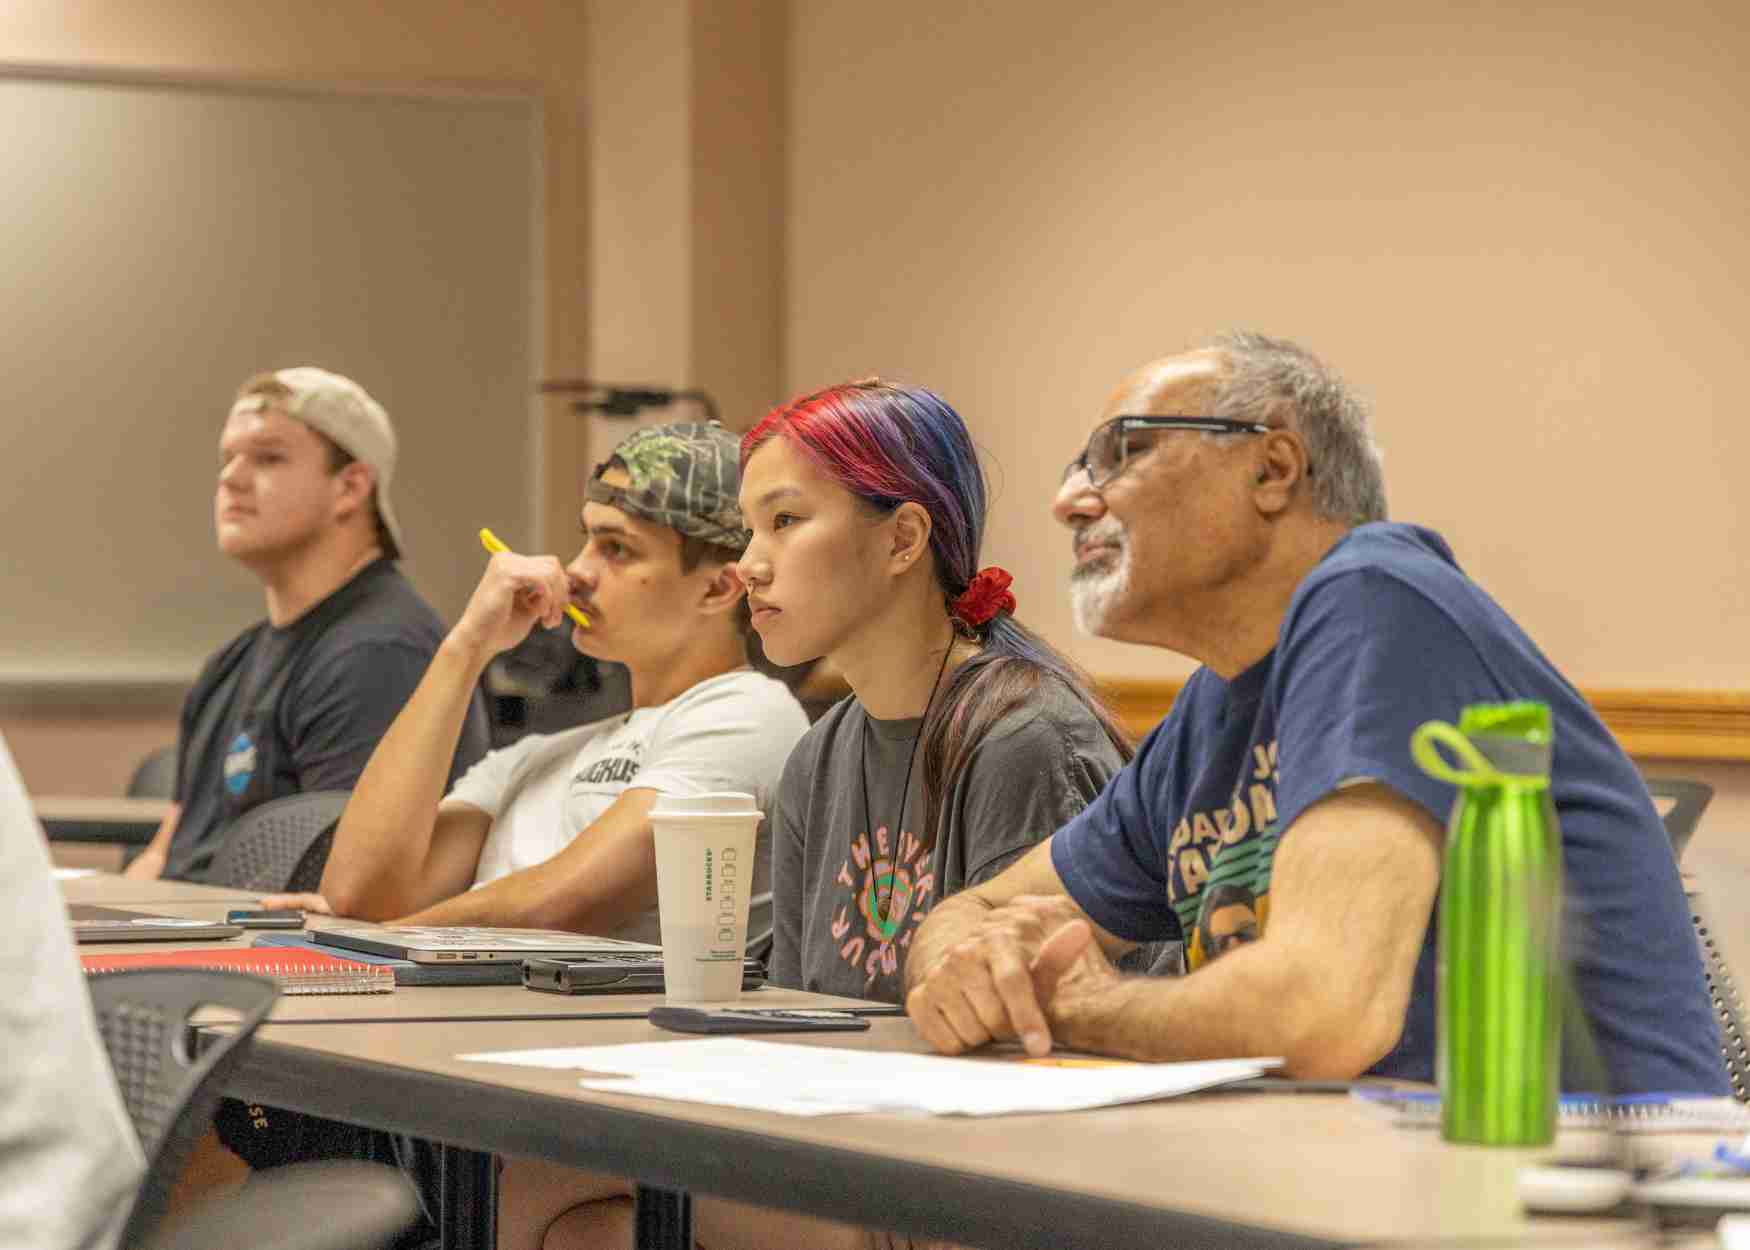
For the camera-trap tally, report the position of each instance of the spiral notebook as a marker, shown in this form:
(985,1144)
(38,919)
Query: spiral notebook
(1645,1113)
(297,971)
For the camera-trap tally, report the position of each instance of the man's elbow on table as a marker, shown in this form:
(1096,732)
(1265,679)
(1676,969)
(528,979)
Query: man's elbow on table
(1336,1032)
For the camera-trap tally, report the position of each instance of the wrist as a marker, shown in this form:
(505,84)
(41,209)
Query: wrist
(1091,1018)
(464,647)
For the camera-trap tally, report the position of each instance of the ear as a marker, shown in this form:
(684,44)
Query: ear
(1280,466)
(910,527)
(722,592)
(352,489)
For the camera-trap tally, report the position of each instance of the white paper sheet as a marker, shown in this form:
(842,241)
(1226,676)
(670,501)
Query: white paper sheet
(72,874)
(822,1080)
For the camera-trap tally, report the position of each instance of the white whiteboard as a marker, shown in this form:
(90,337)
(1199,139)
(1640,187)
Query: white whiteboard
(159,244)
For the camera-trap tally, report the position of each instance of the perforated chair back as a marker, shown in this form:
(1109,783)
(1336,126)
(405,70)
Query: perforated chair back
(155,778)
(1722,988)
(1688,800)
(170,1091)
(282,845)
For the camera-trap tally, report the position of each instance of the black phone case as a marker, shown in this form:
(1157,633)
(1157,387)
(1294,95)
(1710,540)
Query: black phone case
(564,976)
(752,1020)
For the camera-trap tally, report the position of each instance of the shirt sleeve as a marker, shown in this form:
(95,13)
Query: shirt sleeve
(343,706)
(727,738)
(1107,858)
(999,817)
(1365,662)
(486,785)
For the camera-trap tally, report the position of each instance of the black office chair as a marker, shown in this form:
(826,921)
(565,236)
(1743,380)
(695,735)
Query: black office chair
(170,1091)
(314,1206)
(282,845)
(759,946)
(1728,1004)
(155,778)
(1689,799)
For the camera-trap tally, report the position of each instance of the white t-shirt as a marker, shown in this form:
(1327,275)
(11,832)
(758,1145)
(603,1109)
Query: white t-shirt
(730,732)
(69,1159)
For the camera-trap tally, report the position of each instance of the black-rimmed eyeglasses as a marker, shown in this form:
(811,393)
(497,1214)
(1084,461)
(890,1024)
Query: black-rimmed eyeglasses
(1113,443)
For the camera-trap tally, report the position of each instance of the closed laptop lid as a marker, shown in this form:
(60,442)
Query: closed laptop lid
(472,943)
(92,923)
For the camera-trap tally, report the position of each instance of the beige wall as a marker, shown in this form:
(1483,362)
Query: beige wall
(1518,232)
(661,250)
(1518,228)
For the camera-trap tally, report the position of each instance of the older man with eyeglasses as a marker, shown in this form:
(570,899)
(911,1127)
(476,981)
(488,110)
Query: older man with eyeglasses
(1229,505)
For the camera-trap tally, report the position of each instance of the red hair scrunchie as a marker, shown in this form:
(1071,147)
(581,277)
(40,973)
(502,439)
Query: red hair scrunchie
(985,596)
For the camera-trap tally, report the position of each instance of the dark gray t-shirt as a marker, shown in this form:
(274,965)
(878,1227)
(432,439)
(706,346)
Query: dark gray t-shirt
(848,892)
(280,711)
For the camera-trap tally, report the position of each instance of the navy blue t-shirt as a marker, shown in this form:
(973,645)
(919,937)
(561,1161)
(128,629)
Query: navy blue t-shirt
(1386,633)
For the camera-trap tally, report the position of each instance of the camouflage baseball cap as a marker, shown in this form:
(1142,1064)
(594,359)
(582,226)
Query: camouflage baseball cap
(685,476)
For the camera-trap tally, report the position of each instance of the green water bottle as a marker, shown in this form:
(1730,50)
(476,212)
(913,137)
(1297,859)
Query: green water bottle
(1498,1044)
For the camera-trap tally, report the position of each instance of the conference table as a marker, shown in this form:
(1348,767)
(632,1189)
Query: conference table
(1222,1168)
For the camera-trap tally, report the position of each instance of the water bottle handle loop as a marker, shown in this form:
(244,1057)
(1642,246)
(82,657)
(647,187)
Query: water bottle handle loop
(1476,770)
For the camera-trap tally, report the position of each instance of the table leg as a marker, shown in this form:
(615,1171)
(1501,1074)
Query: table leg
(664,1219)
(468,1199)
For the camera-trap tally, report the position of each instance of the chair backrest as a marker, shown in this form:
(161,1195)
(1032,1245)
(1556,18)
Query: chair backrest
(169,1087)
(155,777)
(759,945)
(281,845)
(1728,1003)
(1688,800)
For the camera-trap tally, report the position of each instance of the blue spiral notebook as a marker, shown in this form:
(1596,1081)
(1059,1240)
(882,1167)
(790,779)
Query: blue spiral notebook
(1642,1113)
(406,971)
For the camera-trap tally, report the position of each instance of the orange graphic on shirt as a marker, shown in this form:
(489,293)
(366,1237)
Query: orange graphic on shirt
(890,888)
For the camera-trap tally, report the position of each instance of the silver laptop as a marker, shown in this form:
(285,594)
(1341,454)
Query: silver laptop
(92,923)
(484,944)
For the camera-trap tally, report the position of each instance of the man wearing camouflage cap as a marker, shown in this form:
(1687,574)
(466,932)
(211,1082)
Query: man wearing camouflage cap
(298,702)
(554,831)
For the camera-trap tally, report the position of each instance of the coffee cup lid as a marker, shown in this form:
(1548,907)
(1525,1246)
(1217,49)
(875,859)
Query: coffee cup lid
(717,803)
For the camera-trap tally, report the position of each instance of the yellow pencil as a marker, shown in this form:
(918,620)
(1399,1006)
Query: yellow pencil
(491,542)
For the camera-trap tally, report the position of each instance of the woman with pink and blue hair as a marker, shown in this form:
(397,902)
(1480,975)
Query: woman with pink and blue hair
(966,740)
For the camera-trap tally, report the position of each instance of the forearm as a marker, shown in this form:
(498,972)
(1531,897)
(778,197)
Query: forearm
(544,896)
(382,861)
(1250,1003)
(148,865)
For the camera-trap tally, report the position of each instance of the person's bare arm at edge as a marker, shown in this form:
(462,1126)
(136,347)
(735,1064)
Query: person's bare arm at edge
(148,865)
(1326,987)
(969,978)
(396,850)
(604,877)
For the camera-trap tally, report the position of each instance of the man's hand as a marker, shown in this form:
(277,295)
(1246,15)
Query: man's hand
(313,903)
(514,593)
(999,983)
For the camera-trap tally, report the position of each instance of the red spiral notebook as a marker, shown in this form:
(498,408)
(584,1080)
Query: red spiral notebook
(297,971)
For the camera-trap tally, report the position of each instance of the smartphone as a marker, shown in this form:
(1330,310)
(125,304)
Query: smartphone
(755,1020)
(625,973)
(265,919)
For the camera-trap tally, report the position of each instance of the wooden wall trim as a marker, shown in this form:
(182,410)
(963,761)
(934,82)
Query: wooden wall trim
(1650,724)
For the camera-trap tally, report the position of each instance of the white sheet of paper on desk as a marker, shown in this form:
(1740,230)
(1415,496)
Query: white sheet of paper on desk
(70,874)
(822,1080)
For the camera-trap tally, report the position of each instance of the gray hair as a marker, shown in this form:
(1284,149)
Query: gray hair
(1281,383)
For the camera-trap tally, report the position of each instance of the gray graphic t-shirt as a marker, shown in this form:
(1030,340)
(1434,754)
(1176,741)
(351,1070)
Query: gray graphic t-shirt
(851,885)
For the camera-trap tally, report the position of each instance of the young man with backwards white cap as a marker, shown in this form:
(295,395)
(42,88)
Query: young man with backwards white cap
(297,702)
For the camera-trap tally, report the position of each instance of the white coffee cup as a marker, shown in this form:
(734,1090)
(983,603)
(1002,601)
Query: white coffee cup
(704,877)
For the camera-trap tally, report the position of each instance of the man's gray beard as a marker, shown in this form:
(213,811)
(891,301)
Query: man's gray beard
(1092,594)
